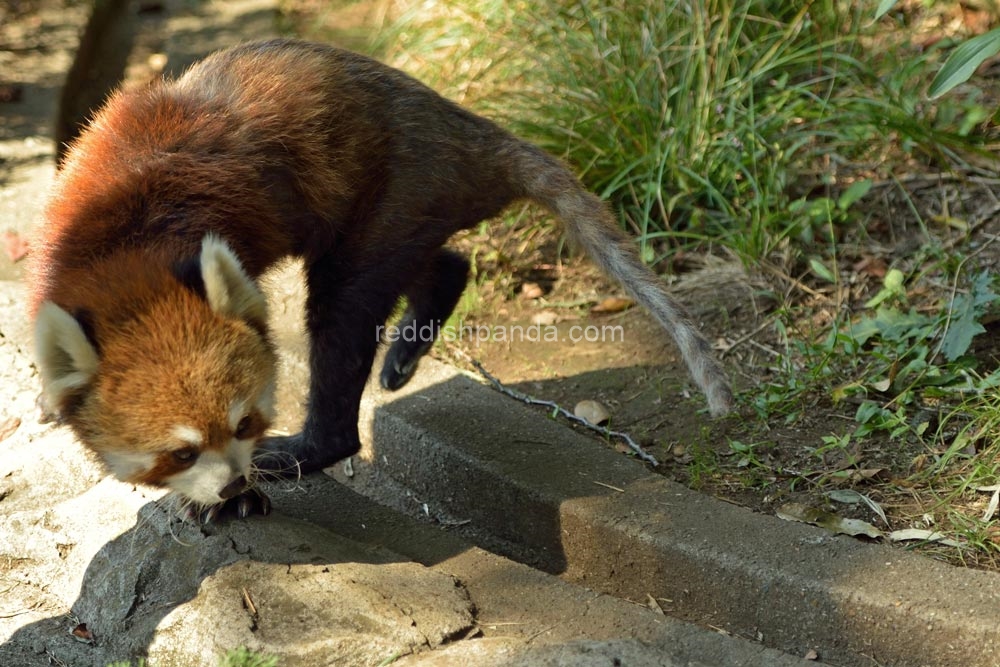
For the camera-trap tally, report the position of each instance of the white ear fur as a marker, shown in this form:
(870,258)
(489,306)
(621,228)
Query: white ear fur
(229,290)
(66,359)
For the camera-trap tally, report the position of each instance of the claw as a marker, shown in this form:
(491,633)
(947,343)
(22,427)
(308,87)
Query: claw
(251,500)
(242,505)
(210,514)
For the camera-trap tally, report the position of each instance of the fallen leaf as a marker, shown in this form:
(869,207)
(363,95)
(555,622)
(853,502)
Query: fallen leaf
(8,427)
(872,266)
(545,318)
(592,411)
(15,247)
(531,290)
(921,534)
(845,496)
(882,385)
(827,520)
(991,508)
(82,634)
(612,304)
(865,474)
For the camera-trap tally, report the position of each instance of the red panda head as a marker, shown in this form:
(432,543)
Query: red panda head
(177,393)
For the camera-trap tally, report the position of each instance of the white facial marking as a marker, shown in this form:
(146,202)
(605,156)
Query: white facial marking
(212,472)
(237,411)
(187,434)
(126,465)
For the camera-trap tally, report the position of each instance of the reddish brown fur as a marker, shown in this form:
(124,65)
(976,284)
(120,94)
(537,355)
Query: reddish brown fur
(285,148)
(176,363)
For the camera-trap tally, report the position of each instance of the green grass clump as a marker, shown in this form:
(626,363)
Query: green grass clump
(244,657)
(701,121)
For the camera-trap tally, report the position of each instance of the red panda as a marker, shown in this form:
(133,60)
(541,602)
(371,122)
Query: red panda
(151,334)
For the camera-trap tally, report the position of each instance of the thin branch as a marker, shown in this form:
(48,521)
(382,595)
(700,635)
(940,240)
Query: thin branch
(555,407)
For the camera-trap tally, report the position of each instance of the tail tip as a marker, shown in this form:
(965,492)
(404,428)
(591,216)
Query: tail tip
(720,400)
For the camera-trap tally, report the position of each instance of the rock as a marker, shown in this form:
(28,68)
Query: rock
(342,613)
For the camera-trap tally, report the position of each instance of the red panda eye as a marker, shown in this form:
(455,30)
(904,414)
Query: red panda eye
(186,456)
(243,428)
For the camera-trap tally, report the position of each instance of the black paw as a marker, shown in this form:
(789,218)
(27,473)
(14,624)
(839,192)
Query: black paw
(240,506)
(400,364)
(290,456)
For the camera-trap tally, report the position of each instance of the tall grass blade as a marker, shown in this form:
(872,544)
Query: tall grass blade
(964,60)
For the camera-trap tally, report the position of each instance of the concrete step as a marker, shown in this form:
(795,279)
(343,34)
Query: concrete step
(512,480)
(519,608)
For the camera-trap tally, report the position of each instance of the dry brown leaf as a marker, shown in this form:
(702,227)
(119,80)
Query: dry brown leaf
(866,474)
(82,634)
(873,267)
(612,304)
(8,427)
(531,291)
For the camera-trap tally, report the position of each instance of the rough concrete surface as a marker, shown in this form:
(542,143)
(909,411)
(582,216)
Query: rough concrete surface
(443,545)
(601,520)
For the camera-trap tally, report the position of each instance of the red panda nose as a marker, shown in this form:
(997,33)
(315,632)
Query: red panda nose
(233,488)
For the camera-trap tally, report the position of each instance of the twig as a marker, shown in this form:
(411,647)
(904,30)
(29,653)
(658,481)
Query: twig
(530,400)
(608,486)
(739,341)
(794,282)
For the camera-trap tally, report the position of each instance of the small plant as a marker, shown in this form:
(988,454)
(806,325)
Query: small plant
(244,657)
(702,463)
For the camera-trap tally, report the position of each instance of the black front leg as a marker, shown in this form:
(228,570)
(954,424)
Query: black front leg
(344,309)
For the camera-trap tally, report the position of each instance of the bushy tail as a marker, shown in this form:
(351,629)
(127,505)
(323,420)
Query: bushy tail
(591,224)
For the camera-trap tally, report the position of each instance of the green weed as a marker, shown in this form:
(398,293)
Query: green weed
(697,120)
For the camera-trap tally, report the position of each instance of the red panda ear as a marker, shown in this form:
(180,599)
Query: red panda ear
(228,289)
(67,360)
